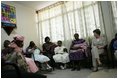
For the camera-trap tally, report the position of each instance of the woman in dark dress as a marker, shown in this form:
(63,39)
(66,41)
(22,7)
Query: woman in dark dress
(48,50)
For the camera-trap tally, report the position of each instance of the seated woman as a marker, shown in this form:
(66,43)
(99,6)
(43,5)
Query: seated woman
(77,52)
(98,44)
(61,56)
(6,50)
(113,46)
(26,64)
(48,50)
(113,50)
(37,55)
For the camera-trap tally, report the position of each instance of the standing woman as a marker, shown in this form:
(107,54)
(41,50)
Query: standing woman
(77,52)
(98,44)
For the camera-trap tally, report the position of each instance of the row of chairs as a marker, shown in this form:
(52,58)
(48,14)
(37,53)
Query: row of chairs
(15,72)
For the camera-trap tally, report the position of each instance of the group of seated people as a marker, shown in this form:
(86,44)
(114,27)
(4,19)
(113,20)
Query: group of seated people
(52,54)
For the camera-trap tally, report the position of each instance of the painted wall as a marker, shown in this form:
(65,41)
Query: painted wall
(26,24)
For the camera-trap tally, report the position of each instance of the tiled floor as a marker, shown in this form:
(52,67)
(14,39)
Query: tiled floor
(83,73)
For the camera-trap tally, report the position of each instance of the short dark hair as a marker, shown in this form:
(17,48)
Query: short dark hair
(59,41)
(97,31)
(6,43)
(32,44)
(76,34)
(46,38)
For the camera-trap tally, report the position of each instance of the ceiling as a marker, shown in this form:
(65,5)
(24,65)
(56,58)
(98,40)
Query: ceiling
(37,5)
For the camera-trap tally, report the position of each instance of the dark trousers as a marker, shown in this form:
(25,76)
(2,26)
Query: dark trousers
(75,64)
(51,62)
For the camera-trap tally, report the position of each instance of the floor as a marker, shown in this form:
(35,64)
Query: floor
(83,73)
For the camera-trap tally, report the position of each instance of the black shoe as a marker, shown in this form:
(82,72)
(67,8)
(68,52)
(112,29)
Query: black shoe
(73,69)
(78,69)
(95,70)
(100,65)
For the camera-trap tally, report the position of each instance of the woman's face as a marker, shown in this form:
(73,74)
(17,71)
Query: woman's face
(32,44)
(96,35)
(76,36)
(59,43)
(6,43)
(48,40)
(12,45)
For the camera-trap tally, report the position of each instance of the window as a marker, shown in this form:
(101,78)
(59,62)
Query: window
(61,21)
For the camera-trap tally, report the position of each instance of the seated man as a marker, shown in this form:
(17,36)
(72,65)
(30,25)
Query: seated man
(61,55)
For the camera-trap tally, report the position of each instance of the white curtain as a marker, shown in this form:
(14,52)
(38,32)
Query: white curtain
(61,20)
(114,11)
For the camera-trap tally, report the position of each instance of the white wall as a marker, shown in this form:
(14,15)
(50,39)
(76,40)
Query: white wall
(26,25)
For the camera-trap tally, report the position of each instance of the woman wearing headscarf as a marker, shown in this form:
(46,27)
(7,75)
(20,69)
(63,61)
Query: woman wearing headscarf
(26,65)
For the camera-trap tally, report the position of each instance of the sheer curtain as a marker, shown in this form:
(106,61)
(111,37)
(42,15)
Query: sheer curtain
(114,10)
(61,20)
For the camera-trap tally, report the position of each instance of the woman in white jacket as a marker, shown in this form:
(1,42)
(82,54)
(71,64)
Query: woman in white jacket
(98,44)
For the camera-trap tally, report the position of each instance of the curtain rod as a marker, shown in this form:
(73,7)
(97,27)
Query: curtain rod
(52,5)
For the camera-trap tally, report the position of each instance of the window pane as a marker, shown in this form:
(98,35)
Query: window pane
(86,3)
(69,6)
(45,29)
(44,15)
(55,11)
(77,4)
(57,29)
(61,22)
(90,20)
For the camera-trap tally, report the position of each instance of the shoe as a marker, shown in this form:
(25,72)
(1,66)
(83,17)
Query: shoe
(100,65)
(73,69)
(49,69)
(62,67)
(78,69)
(95,70)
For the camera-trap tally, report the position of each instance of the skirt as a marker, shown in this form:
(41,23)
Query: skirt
(62,58)
(77,55)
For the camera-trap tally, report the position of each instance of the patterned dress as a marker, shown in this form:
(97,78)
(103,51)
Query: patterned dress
(24,63)
(79,50)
